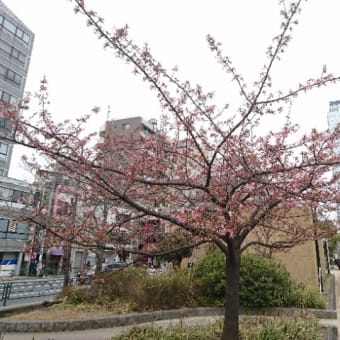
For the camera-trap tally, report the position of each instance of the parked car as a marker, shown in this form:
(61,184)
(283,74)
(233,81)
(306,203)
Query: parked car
(106,267)
(113,265)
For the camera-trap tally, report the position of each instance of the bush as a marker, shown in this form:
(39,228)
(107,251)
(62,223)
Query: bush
(171,333)
(297,328)
(123,284)
(77,296)
(263,283)
(209,279)
(305,297)
(138,289)
(164,291)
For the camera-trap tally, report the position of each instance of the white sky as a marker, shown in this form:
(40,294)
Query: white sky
(81,74)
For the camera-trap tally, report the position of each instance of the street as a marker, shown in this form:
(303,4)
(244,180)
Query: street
(18,292)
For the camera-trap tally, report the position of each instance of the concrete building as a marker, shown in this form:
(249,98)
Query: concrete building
(16,42)
(59,195)
(50,253)
(135,126)
(14,232)
(333,118)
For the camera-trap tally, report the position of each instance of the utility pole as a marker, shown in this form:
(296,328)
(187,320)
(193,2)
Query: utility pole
(42,232)
(68,248)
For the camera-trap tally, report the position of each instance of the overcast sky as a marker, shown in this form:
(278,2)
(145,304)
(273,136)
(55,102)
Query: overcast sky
(81,74)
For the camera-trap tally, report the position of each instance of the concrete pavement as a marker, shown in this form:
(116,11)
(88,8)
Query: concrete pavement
(335,322)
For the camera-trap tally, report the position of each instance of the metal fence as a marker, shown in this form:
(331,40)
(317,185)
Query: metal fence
(29,289)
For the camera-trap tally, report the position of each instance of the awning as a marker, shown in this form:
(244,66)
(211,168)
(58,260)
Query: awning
(56,252)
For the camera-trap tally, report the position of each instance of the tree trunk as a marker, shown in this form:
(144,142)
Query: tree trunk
(232,293)
(67,265)
(99,262)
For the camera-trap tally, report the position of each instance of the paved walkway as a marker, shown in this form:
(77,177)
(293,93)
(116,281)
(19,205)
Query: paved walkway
(335,322)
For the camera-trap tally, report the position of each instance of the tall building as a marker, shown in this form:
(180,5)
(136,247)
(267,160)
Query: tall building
(136,129)
(333,115)
(135,126)
(16,42)
(333,118)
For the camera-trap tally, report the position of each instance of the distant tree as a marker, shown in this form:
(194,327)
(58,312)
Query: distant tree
(210,172)
(333,244)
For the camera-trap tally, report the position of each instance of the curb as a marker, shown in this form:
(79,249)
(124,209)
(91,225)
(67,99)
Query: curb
(106,322)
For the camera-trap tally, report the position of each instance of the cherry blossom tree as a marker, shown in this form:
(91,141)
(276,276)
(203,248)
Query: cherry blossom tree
(209,173)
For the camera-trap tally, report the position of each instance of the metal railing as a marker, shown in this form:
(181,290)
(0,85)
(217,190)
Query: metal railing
(29,289)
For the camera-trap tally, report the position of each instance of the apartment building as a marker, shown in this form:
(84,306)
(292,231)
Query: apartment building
(134,126)
(14,231)
(16,42)
(333,118)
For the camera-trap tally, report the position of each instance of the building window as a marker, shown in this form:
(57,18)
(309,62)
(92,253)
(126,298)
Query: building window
(62,208)
(15,30)
(123,218)
(125,126)
(4,222)
(12,227)
(9,226)
(9,26)
(8,98)
(10,76)
(12,52)
(3,150)
(19,195)
(5,123)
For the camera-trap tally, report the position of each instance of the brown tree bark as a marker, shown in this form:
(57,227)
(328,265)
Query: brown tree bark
(232,292)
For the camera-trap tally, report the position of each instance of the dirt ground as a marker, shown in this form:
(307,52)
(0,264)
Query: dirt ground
(59,312)
(58,315)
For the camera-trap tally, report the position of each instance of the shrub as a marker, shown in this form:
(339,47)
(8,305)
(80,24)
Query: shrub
(306,297)
(123,284)
(164,291)
(297,328)
(264,283)
(209,279)
(76,296)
